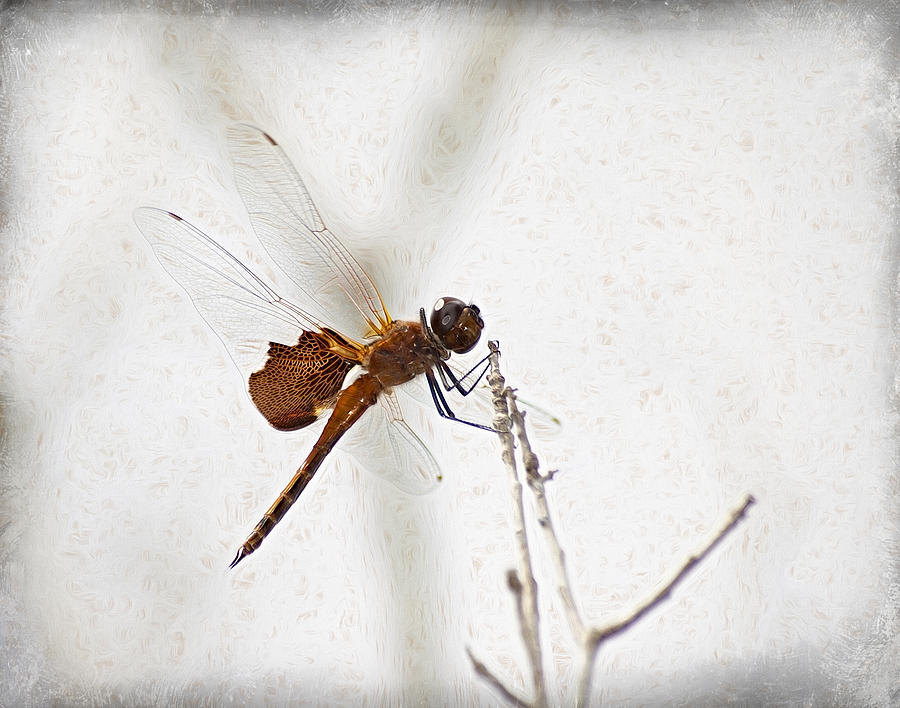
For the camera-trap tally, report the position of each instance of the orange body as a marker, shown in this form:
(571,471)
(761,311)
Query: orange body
(303,380)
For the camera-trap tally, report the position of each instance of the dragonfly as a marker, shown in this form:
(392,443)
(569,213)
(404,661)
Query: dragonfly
(333,346)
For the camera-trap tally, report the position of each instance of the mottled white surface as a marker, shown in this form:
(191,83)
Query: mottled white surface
(679,221)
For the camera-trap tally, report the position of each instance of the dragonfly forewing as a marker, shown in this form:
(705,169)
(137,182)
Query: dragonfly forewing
(240,307)
(293,233)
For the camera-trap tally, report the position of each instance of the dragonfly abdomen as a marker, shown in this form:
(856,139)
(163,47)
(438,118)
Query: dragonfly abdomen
(352,402)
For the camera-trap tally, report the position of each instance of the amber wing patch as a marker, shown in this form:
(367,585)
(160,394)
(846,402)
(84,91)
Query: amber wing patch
(298,382)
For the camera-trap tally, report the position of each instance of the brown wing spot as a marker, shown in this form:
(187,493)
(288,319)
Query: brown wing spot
(298,382)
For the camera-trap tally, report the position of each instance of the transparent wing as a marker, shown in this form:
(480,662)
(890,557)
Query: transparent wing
(240,307)
(292,231)
(389,447)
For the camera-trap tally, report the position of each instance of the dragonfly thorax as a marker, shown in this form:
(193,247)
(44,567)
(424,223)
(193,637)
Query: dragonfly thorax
(400,355)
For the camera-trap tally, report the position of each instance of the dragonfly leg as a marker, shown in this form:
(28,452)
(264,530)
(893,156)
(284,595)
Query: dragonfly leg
(450,381)
(443,408)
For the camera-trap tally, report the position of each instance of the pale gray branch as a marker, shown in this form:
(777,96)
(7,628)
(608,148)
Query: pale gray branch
(598,635)
(545,522)
(525,587)
(495,682)
(521,582)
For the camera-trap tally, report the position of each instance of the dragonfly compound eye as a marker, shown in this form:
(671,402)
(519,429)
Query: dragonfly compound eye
(457,325)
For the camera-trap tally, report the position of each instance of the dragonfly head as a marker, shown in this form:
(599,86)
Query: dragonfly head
(456,325)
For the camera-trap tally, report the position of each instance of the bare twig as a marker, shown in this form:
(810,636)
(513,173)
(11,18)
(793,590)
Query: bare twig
(545,522)
(522,584)
(498,685)
(598,635)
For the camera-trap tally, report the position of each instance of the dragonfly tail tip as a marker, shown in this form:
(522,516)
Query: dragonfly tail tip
(237,558)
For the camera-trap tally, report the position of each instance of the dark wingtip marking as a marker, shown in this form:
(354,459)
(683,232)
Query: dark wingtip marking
(268,137)
(238,558)
(174,216)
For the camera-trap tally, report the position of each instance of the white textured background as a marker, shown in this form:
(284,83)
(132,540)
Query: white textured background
(681,223)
